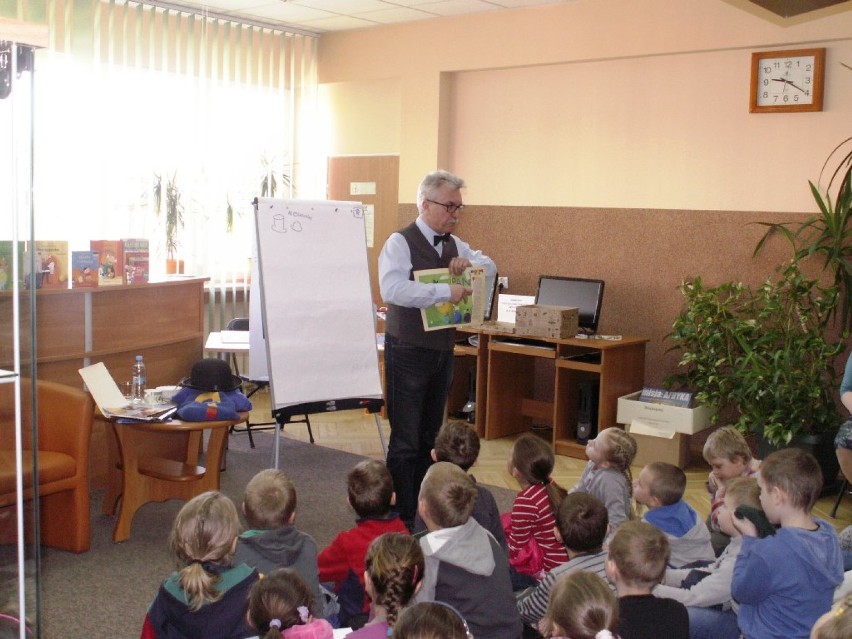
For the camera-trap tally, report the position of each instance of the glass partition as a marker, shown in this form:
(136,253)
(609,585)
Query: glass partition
(19,554)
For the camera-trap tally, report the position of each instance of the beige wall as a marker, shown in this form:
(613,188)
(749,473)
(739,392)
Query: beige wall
(620,103)
(610,138)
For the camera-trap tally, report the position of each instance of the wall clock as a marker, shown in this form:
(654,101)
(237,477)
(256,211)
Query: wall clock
(787,81)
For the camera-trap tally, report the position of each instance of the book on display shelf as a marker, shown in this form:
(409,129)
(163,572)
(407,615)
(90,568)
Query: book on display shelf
(110,261)
(84,269)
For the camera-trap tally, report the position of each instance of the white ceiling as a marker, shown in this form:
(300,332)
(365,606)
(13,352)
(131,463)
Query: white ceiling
(321,16)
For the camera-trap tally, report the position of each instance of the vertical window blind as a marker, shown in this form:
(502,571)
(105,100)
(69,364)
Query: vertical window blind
(129,94)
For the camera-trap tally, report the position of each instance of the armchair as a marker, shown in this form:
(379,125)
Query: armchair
(64,417)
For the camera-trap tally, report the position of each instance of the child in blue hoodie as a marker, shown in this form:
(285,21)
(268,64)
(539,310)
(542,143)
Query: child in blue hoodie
(660,487)
(785,582)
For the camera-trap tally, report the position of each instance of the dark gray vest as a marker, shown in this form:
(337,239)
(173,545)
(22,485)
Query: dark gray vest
(405,323)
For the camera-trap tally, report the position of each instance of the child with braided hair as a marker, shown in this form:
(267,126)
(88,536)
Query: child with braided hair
(393,576)
(607,475)
(279,606)
(581,606)
(533,546)
(206,597)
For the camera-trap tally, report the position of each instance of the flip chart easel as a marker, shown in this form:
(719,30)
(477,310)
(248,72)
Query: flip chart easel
(317,309)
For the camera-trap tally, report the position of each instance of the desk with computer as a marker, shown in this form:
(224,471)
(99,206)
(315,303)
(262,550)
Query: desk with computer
(590,372)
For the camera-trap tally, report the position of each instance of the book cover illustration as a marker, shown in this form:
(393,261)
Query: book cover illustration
(135,261)
(7,261)
(51,265)
(84,269)
(110,261)
(467,312)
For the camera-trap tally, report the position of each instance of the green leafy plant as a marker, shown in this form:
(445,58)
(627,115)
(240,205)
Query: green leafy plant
(271,177)
(174,210)
(759,358)
(827,234)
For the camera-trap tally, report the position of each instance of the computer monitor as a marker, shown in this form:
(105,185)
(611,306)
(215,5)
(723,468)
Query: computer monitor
(585,295)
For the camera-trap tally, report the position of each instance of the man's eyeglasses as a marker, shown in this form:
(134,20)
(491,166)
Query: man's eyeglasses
(451,208)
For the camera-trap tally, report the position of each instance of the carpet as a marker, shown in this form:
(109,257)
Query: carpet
(106,592)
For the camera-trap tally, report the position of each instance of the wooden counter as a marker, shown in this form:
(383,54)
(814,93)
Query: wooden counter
(163,321)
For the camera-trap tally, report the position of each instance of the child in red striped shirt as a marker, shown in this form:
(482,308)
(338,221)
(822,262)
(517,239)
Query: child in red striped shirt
(533,546)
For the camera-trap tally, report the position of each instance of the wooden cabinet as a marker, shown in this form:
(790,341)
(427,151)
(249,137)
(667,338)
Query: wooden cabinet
(163,321)
(506,382)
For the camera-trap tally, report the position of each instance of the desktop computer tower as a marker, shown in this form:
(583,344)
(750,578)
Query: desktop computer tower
(587,410)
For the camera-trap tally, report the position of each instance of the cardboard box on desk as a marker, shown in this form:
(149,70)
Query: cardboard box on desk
(661,431)
(538,320)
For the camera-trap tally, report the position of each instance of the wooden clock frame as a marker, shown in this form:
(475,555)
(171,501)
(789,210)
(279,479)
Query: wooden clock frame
(818,85)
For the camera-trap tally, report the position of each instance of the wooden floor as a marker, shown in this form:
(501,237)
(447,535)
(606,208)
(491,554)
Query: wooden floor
(355,432)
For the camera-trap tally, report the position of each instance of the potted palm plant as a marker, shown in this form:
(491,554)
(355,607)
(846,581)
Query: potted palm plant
(174,218)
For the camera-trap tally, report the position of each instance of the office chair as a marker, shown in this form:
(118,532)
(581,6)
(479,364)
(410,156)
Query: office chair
(242,324)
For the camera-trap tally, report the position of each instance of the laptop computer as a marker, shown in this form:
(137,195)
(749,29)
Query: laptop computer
(111,401)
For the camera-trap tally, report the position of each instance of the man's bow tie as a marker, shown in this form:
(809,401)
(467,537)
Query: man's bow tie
(441,238)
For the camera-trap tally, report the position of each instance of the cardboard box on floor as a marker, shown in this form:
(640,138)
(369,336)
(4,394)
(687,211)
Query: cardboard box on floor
(661,431)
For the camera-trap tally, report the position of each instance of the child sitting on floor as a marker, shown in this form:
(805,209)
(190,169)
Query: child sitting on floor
(581,606)
(784,582)
(394,573)
(431,620)
(638,553)
(207,596)
(458,444)
(729,456)
(607,475)
(581,522)
(533,546)
(273,541)
(279,605)
(660,487)
(707,594)
(465,566)
(371,496)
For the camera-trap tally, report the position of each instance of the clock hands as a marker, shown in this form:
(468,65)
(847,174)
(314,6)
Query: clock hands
(790,82)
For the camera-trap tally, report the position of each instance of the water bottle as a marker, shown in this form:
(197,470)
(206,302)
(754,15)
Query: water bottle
(138,379)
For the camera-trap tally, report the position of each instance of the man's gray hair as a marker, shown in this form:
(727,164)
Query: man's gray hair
(434,181)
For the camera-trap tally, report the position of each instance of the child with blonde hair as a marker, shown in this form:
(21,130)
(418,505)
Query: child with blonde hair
(581,606)
(533,546)
(707,592)
(607,474)
(393,576)
(279,605)
(207,596)
(636,562)
(729,456)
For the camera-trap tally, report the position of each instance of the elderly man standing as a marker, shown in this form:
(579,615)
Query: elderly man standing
(419,364)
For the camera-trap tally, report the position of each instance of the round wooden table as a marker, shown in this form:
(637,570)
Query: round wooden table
(158,461)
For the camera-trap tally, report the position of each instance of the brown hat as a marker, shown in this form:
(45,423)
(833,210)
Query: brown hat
(211,374)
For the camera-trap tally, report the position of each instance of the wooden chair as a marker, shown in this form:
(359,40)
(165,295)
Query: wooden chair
(64,423)
(242,324)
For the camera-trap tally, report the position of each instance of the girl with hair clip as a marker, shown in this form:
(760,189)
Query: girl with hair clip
(206,597)
(607,475)
(280,604)
(431,620)
(393,576)
(581,606)
(533,546)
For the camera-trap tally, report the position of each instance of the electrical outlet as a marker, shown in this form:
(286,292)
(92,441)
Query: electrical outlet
(503,283)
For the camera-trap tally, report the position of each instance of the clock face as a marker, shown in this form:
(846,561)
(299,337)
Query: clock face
(786,81)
